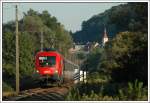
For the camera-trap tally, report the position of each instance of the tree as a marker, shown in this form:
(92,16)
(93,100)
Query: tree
(32,24)
(91,64)
(8,53)
(124,17)
(129,53)
(26,54)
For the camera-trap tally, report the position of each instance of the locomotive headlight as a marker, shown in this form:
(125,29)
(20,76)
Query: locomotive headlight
(56,71)
(37,71)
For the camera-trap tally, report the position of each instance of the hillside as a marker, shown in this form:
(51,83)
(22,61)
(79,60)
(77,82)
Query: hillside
(125,17)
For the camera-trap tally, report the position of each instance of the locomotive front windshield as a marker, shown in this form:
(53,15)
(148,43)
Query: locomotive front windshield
(47,61)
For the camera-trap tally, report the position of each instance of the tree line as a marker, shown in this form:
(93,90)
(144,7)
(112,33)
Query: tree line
(31,26)
(124,17)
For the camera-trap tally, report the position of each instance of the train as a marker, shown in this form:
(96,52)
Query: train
(49,65)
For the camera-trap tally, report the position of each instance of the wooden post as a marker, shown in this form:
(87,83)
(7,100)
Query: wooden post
(17,53)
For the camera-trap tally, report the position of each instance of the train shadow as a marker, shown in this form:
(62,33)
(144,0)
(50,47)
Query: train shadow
(28,83)
(31,83)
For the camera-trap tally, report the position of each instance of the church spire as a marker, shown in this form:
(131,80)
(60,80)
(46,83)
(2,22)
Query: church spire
(105,33)
(105,37)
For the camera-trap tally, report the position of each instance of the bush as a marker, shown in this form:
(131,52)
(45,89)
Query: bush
(6,87)
(81,55)
(97,77)
(109,92)
(92,96)
(134,91)
(127,57)
(73,95)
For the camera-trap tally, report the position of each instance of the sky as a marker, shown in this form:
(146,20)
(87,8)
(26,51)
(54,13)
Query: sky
(71,15)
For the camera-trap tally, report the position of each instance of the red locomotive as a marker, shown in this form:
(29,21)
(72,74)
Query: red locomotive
(49,65)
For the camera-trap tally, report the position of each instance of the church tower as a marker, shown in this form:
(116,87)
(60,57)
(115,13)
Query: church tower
(105,37)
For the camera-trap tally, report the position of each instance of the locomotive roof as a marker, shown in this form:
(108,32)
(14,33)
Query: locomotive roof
(44,52)
(49,52)
(49,49)
(45,49)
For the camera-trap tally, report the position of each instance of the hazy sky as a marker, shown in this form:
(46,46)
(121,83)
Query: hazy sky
(70,15)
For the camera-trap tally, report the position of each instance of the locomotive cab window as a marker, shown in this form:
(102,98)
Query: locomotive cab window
(47,61)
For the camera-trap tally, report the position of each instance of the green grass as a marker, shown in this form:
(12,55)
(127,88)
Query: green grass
(7,90)
(6,87)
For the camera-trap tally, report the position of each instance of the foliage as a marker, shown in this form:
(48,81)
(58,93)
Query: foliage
(73,95)
(134,91)
(108,92)
(54,33)
(7,88)
(8,53)
(124,56)
(99,77)
(81,55)
(125,17)
(26,54)
(33,23)
(92,61)
(30,29)
(128,54)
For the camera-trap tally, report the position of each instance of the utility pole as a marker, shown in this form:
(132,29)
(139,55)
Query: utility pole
(17,52)
(41,40)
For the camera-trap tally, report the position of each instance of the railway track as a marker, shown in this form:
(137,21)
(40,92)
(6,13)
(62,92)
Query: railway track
(42,94)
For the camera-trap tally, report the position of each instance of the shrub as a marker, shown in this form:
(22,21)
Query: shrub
(134,91)
(6,87)
(73,95)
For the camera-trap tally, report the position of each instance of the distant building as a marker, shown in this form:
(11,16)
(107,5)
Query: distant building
(105,37)
(88,46)
(96,45)
(76,48)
